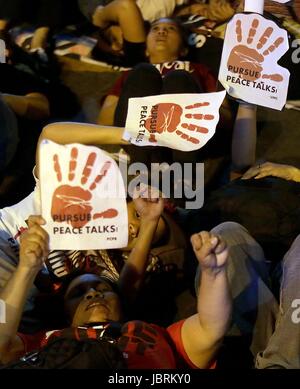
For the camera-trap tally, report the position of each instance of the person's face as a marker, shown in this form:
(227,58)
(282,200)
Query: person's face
(89,299)
(134,224)
(165,37)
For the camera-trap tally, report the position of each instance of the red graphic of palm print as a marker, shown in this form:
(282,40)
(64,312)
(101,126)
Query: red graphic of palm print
(166,117)
(72,204)
(250,59)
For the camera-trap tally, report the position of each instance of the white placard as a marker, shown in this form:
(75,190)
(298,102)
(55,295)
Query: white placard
(282,1)
(179,121)
(83,198)
(249,69)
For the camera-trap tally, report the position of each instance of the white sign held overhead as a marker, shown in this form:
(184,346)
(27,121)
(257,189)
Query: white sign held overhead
(83,198)
(249,69)
(254,6)
(258,5)
(179,121)
(282,1)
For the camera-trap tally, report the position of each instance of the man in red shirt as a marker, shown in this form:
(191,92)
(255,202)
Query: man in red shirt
(89,299)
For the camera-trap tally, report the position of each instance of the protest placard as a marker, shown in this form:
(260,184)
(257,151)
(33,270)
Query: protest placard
(83,197)
(179,121)
(249,70)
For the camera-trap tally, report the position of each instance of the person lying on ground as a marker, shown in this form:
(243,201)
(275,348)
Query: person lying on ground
(90,300)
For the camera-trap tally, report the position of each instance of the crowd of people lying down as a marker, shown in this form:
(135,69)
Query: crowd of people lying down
(238,268)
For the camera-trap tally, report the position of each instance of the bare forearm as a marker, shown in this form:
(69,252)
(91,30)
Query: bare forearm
(295,173)
(214,303)
(134,269)
(14,296)
(89,134)
(244,138)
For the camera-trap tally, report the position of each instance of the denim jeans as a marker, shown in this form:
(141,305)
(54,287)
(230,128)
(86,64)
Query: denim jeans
(283,348)
(275,338)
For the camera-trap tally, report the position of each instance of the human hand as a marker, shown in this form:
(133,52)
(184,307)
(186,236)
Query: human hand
(148,203)
(286,172)
(34,244)
(211,251)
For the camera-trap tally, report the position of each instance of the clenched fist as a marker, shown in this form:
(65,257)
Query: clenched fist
(34,244)
(211,250)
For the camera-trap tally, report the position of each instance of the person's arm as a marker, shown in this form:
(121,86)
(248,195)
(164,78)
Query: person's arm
(243,149)
(124,13)
(132,274)
(287,172)
(34,106)
(87,134)
(202,333)
(107,110)
(33,248)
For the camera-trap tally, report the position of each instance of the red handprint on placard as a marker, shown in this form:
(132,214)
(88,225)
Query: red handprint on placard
(170,117)
(247,60)
(72,204)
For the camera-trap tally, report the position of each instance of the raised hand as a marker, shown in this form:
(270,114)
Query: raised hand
(34,244)
(148,203)
(210,250)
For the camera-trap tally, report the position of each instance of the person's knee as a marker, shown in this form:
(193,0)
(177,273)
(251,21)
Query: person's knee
(145,79)
(181,81)
(296,244)
(178,74)
(235,235)
(229,228)
(145,68)
(292,257)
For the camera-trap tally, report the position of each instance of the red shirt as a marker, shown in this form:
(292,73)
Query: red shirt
(144,346)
